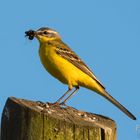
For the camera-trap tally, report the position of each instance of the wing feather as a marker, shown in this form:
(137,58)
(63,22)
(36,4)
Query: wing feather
(65,52)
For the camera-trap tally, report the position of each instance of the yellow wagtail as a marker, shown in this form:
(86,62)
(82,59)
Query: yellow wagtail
(62,63)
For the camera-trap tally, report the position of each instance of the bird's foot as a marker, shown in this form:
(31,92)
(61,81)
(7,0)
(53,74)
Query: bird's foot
(54,104)
(63,104)
(47,104)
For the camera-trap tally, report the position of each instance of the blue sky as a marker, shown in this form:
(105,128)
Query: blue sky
(105,34)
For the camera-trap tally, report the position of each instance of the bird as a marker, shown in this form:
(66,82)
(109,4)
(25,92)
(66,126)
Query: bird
(66,66)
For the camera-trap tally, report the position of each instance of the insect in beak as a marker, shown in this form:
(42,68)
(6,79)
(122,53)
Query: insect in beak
(30,34)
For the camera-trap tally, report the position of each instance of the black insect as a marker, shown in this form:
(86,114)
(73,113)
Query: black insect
(30,34)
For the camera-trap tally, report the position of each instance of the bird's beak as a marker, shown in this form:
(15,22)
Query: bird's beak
(37,34)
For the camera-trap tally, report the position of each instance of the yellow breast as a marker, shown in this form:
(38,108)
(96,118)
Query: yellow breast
(54,64)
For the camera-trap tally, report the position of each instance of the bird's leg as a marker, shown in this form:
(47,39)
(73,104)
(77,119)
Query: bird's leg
(76,89)
(63,96)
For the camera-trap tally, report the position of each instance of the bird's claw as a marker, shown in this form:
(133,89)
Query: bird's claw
(54,104)
(63,104)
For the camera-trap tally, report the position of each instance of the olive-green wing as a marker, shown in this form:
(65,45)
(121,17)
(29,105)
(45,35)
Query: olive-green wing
(65,52)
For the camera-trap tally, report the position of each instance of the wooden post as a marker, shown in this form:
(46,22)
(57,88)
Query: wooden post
(28,120)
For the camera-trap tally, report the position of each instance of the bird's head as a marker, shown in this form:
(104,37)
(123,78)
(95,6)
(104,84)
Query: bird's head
(44,34)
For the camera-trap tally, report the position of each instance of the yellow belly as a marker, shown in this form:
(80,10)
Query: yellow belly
(64,71)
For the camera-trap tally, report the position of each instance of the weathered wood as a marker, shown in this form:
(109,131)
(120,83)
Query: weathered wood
(28,120)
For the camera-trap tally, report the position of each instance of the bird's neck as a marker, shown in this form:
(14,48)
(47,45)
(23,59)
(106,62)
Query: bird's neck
(51,42)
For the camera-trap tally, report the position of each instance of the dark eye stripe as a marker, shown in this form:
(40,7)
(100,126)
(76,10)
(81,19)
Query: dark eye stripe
(45,32)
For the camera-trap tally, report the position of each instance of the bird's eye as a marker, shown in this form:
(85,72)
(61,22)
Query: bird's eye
(45,32)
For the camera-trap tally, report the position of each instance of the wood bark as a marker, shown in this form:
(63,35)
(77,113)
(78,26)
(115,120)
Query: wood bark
(29,120)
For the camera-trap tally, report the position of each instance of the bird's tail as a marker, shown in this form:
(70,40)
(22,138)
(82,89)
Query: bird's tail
(96,87)
(117,104)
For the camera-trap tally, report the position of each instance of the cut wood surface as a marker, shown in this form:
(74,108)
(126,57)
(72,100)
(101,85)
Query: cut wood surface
(30,120)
